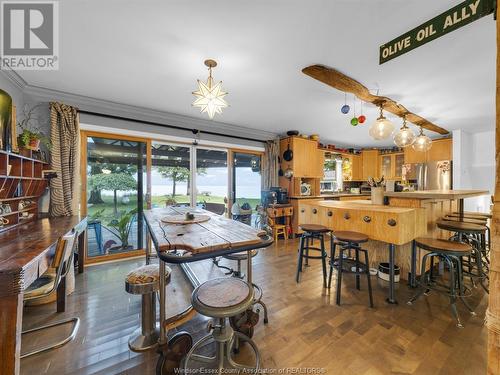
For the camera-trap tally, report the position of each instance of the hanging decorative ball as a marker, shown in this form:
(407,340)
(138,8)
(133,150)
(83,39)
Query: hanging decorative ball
(345,109)
(354,121)
(361,119)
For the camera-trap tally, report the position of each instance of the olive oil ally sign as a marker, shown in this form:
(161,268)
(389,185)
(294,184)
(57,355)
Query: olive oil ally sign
(454,18)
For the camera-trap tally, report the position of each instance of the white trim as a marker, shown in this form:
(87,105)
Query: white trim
(164,137)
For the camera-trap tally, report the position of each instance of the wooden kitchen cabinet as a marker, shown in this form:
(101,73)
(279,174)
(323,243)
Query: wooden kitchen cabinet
(391,166)
(307,159)
(370,164)
(442,149)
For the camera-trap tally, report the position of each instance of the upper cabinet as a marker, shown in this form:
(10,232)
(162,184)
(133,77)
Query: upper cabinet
(370,164)
(442,149)
(391,166)
(307,160)
(352,168)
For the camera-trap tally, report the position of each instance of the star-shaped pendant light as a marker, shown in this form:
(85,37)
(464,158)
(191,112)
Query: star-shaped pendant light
(210,97)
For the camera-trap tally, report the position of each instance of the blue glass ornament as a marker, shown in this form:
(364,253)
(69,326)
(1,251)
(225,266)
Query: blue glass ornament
(345,109)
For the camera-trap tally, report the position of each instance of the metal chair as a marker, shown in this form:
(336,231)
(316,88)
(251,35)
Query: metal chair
(239,257)
(220,299)
(145,281)
(52,281)
(451,253)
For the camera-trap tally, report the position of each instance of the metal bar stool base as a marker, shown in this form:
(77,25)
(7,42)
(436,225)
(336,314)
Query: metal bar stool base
(140,343)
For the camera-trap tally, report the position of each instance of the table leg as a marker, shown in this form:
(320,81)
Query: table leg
(413,276)
(249,267)
(148,246)
(163,334)
(461,209)
(11,322)
(391,299)
(82,247)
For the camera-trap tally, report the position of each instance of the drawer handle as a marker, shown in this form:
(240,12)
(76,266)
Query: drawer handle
(392,222)
(315,211)
(330,213)
(367,219)
(302,210)
(347,216)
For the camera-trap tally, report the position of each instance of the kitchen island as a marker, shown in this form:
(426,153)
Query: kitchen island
(409,215)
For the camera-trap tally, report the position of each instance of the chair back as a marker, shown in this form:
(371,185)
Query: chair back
(63,258)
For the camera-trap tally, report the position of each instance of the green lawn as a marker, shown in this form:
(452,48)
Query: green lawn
(157,201)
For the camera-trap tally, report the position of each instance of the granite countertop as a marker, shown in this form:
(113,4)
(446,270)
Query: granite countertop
(335,195)
(437,194)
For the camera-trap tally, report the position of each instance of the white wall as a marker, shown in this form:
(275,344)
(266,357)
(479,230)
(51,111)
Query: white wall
(474,165)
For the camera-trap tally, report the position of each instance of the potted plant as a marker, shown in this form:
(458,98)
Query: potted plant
(31,134)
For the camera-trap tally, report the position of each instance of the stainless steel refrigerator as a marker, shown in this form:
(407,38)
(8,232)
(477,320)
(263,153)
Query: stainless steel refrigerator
(433,175)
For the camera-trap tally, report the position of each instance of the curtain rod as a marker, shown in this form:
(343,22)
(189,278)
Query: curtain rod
(194,131)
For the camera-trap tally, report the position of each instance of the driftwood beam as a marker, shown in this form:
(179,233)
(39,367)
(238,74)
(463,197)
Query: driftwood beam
(341,82)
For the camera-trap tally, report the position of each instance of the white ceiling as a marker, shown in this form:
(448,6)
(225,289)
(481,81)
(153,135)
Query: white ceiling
(150,53)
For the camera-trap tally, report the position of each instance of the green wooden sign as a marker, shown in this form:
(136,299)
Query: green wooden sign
(452,19)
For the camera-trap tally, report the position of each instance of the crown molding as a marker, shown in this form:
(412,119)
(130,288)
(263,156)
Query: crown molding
(140,113)
(14,78)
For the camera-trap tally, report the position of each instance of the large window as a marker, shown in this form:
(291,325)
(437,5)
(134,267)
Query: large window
(212,180)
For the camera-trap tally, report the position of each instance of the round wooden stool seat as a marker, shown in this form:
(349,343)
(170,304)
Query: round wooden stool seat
(439,245)
(461,227)
(475,214)
(145,279)
(465,220)
(314,228)
(222,297)
(240,256)
(348,236)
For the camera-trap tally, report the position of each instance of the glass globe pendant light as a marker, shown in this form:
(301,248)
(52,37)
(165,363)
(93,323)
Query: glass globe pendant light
(405,136)
(381,128)
(422,142)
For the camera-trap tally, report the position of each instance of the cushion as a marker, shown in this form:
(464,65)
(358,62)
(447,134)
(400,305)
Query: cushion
(146,274)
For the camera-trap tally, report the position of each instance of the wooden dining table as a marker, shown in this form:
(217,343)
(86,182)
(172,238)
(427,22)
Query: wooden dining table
(25,254)
(180,241)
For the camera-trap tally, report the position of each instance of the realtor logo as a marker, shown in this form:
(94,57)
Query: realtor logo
(30,35)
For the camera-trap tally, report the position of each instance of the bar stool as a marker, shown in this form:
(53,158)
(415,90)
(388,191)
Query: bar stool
(220,299)
(474,234)
(239,257)
(475,218)
(311,232)
(145,281)
(475,214)
(348,241)
(451,252)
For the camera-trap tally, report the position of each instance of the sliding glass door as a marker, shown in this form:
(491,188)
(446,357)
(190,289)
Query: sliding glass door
(212,178)
(246,187)
(114,195)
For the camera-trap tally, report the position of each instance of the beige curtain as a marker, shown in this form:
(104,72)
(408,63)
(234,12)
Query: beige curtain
(65,159)
(270,164)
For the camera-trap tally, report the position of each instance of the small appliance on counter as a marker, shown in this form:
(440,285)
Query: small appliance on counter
(355,191)
(268,197)
(281,195)
(365,188)
(305,189)
(327,186)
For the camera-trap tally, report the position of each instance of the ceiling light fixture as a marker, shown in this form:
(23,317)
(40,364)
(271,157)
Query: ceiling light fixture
(381,128)
(422,142)
(405,136)
(210,97)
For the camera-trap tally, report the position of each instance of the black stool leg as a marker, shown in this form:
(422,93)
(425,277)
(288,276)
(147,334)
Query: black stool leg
(323,258)
(307,249)
(461,288)
(299,261)
(422,282)
(333,247)
(339,274)
(356,251)
(368,277)
(453,295)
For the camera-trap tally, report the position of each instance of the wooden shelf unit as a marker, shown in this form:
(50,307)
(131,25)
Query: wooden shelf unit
(22,181)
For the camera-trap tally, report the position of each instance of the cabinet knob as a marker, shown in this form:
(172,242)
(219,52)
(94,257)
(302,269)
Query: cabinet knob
(367,219)
(330,213)
(315,211)
(347,216)
(302,210)
(392,222)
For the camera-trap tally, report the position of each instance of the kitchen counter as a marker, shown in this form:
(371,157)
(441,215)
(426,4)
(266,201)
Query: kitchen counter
(328,196)
(437,194)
